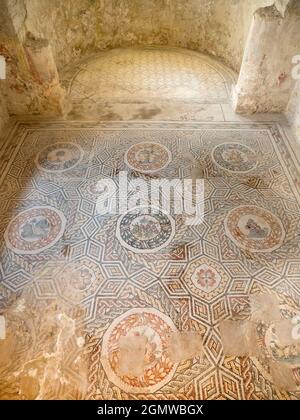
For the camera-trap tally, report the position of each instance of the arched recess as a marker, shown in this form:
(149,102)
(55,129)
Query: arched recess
(160,76)
(36,32)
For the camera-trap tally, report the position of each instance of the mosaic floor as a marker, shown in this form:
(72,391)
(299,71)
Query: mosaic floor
(157,82)
(75,284)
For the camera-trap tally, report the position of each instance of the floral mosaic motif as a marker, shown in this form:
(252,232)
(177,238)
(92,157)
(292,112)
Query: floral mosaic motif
(145,230)
(159,369)
(234,157)
(205,278)
(35,230)
(77,281)
(80,279)
(59,157)
(254,229)
(147,157)
(96,190)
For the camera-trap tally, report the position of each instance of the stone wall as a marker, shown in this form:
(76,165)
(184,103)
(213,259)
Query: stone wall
(227,28)
(3,112)
(26,89)
(78,28)
(265,81)
(32,82)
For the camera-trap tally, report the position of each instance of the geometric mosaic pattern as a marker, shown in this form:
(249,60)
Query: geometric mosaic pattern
(137,73)
(56,248)
(126,83)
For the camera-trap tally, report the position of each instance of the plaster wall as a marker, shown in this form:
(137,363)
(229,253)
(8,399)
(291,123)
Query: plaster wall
(3,112)
(293,110)
(265,80)
(40,37)
(78,28)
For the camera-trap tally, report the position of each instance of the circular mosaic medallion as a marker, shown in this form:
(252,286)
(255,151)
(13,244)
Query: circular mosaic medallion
(145,230)
(234,157)
(59,157)
(79,278)
(205,278)
(35,230)
(254,229)
(271,349)
(159,369)
(147,157)
(272,346)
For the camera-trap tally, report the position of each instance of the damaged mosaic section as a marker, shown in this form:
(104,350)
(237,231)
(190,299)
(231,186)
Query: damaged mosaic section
(266,337)
(35,351)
